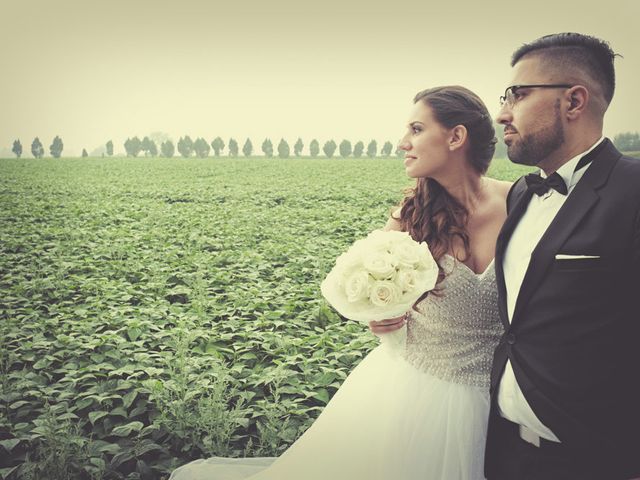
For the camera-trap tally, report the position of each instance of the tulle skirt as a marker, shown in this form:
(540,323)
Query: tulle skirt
(388,421)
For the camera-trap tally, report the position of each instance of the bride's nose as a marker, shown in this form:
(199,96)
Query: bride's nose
(404,145)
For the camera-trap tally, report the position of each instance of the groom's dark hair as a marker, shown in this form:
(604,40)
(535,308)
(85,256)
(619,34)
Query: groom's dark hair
(570,52)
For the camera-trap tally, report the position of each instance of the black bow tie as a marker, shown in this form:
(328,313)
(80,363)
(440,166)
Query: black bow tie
(540,186)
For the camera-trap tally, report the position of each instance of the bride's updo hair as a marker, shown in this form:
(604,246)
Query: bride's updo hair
(428,212)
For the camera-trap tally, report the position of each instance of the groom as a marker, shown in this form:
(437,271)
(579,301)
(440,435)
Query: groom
(565,382)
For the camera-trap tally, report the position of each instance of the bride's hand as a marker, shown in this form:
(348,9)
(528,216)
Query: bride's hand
(389,325)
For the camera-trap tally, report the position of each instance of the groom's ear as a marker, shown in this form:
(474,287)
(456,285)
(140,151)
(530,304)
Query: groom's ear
(457,137)
(577,98)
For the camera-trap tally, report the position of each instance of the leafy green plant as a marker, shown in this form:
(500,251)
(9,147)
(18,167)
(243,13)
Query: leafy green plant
(275,428)
(193,401)
(60,451)
(155,311)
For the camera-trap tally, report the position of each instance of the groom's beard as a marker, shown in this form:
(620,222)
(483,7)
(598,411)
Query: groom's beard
(535,147)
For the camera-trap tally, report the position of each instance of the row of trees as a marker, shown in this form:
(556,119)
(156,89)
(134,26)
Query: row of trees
(186,147)
(628,142)
(199,147)
(37,149)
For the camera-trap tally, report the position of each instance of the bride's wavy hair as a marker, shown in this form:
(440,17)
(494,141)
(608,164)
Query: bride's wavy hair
(428,212)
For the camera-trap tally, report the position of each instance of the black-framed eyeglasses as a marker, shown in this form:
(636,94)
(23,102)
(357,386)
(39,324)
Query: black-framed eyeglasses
(510,93)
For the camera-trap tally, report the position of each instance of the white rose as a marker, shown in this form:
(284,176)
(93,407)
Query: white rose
(356,286)
(429,268)
(383,256)
(380,265)
(408,254)
(383,240)
(406,281)
(425,259)
(349,260)
(383,293)
(380,237)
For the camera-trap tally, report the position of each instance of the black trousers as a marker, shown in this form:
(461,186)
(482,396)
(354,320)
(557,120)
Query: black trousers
(512,458)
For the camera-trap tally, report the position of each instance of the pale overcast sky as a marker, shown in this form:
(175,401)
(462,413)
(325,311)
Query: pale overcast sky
(91,70)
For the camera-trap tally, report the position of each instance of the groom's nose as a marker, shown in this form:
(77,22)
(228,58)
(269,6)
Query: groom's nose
(505,115)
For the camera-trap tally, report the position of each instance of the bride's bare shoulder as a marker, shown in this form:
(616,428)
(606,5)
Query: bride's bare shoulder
(500,187)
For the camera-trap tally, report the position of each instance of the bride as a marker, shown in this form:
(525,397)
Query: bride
(422,414)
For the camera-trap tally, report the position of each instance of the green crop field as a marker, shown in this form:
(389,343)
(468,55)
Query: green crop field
(153,311)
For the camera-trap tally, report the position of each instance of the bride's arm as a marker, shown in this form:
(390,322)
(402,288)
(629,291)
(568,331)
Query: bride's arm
(388,325)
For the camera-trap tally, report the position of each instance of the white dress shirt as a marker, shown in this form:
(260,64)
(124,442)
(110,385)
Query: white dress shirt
(539,214)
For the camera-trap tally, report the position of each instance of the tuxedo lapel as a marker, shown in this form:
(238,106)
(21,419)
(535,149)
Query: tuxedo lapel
(580,202)
(521,197)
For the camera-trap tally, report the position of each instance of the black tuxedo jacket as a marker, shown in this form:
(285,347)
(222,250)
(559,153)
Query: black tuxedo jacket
(574,339)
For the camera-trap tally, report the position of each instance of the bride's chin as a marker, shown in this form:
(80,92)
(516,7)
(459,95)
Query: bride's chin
(410,173)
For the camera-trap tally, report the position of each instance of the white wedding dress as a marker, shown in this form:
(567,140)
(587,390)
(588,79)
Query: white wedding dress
(421,415)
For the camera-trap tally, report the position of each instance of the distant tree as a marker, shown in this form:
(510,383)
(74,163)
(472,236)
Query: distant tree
(627,142)
(501,149)
(233,148)
(109,146)
(372,149)
(201,147)
(267,148)
(136,145)
(99,151)
(168,149)
(56,147)
(149,147)
(329,148)
(399,152)
(153,148)
(37,150)
(314,148)
(247,148)
(146,141)
(17,148)
(297,147)
(283,149)
(84,153)
(218,145)
(358,148)
(345,148)
(185,146)
(386,149)
(132,146)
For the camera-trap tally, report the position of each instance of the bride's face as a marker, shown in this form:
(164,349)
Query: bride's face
(425,143)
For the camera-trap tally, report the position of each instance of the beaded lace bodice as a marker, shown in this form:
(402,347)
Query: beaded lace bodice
(454,335)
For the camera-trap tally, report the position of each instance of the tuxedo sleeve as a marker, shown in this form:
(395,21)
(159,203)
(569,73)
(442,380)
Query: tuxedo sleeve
(636,248)
(634,292)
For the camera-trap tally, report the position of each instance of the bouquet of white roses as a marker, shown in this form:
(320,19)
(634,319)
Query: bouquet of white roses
(381,277)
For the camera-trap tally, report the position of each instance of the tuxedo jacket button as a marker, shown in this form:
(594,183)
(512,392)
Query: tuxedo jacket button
(511,338)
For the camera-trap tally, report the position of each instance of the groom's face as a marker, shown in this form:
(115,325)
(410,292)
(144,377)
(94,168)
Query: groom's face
(533,127)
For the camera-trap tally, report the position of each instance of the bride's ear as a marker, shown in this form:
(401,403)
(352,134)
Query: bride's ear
(457,137)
